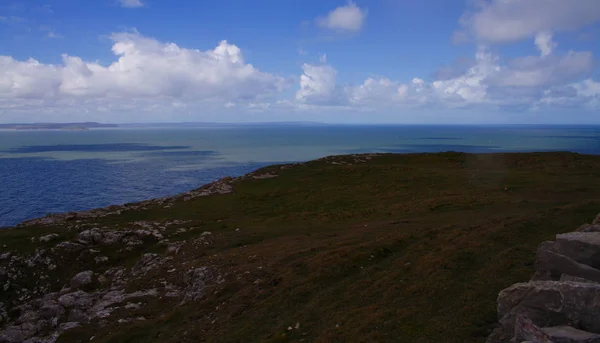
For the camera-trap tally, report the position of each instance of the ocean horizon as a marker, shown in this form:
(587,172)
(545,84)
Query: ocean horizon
(54,171)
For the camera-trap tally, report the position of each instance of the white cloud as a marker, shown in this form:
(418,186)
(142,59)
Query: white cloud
(349,18)
(323,58)
(469,87)
(533,71)
(144,68)
(584,93)
(500,21)
(376,92)
(544,43)
(131,3)
(317,84)
(524,82)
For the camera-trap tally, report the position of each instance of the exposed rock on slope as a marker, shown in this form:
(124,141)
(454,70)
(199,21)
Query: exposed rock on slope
(561,303)
(43,312)
(40,314)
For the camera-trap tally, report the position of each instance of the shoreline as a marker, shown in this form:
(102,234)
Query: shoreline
(220,186)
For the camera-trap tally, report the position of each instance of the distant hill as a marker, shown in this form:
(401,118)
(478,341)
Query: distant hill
(55,126)
(213,124)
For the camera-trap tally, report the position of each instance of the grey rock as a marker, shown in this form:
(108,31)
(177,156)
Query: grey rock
(100,259)
(17,333)
(82,279)
(79,299)
(567,277)
(551,303)
(526,330)
(146,263)
(196,283)
(589,228)
(51,310)
(69,246)
(48,238)
(91,236)
(552,261)
(582,247)
(567,334)
(96,236)
(27,316)
(544,272)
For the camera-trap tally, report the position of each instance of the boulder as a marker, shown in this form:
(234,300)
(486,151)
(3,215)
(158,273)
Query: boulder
(561,264)
(82,279)
(582,247)
(551,303)
(97,237)
(544,272)
(526,330)
(79,299)
(567,334)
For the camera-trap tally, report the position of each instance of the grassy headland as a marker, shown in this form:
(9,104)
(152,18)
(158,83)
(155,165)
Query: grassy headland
(376,248)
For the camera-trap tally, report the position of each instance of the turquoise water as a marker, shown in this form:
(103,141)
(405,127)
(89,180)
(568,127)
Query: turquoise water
(56,171)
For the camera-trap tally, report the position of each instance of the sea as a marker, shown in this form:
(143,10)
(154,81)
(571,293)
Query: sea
(52,171)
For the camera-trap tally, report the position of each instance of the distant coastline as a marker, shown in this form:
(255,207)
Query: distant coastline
(56,126)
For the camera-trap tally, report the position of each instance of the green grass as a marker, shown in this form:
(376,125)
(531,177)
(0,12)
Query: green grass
(402,248)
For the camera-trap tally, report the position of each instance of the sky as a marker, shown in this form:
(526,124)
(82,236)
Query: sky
(334,61)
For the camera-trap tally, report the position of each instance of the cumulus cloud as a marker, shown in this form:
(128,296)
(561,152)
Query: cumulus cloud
(145,68)
(533,71)
(376,92)
(501,21)
(349,18)
(471,86)
(131,3)
(318,85)
(544,43)
(525,82)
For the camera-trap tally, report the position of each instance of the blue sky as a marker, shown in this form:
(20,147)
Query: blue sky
(376,61)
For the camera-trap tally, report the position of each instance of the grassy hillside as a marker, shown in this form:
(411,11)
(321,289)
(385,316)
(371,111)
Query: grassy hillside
(362,248)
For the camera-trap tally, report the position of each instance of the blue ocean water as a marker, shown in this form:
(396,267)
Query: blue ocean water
(45,172)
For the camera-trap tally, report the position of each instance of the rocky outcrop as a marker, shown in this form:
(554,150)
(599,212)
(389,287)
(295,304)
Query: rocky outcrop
(98,289)
(561,302)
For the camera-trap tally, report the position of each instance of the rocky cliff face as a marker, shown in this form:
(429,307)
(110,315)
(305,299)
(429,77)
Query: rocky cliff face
(561,302)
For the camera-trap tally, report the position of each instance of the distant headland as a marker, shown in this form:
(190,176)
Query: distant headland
(55,126)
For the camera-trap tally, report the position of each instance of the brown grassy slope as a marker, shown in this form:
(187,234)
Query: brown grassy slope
(402,248)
